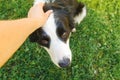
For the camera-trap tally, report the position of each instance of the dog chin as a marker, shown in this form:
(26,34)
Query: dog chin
(60,60)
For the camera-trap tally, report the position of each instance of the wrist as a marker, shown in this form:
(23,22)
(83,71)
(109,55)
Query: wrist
(35,22)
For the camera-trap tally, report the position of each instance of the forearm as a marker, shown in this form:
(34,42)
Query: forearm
(13,34)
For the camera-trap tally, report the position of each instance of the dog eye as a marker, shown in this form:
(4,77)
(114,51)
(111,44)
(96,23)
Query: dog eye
(64,35)
(45,41)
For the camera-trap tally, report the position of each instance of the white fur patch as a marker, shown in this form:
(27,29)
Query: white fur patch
(81,16)
(58,49)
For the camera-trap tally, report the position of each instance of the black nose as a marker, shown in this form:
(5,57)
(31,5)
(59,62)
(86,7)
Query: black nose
(64,63)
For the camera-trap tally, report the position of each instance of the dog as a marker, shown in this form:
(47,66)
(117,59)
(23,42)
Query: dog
(55,33)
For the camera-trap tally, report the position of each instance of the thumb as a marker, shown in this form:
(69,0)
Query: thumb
(48,13)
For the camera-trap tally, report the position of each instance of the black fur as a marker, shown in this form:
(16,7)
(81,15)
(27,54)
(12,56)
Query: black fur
(40,37)
(62,33)
(64,13)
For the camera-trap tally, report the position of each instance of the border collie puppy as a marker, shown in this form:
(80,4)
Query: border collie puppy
(55,33)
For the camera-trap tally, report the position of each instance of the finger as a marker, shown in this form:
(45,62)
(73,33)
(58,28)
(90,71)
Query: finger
(48,13)
(41,4)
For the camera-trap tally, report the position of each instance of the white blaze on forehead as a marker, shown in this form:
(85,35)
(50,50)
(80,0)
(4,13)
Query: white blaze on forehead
(58,49)
(47,1)
(50,26)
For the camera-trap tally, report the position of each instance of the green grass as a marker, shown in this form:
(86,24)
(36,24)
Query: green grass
(95,46)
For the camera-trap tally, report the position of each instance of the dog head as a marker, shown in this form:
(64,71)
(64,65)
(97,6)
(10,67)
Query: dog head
(55,33)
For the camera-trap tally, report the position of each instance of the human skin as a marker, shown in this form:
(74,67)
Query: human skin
(13,33)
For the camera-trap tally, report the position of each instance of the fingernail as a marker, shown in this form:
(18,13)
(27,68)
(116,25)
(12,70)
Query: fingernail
(51,10)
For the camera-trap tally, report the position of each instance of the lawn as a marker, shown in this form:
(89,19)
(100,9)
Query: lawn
(95,46)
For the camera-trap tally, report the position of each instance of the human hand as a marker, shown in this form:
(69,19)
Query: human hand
(36,12)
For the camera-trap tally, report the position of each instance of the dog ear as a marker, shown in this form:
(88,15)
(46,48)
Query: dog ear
(34,37)
(80,12)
